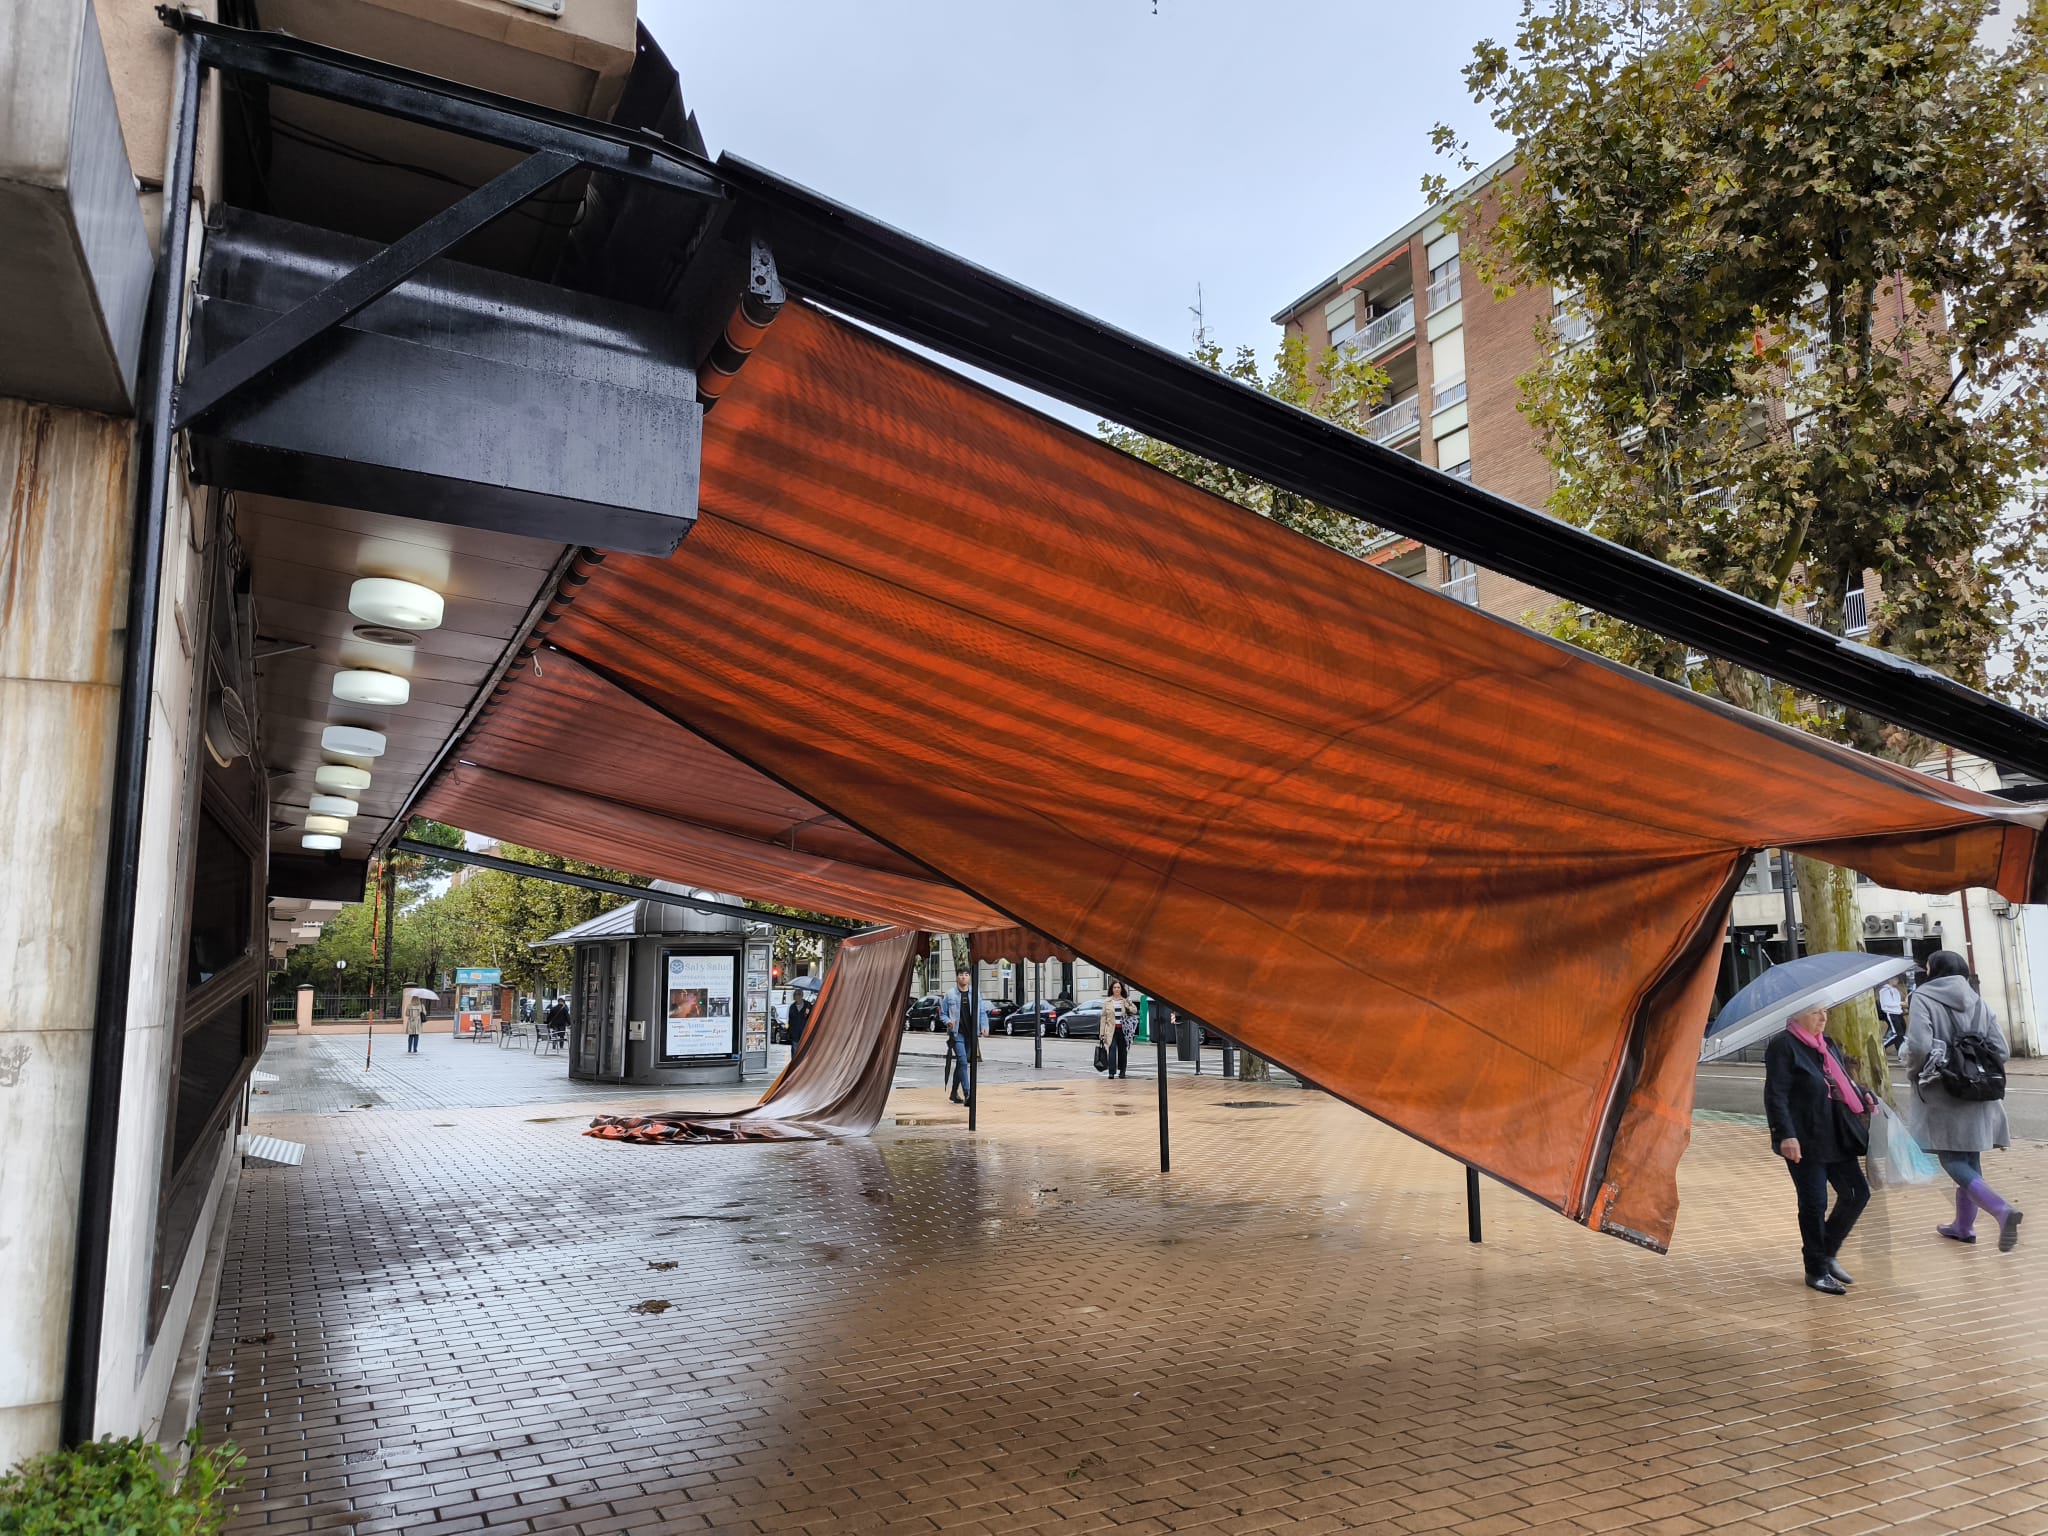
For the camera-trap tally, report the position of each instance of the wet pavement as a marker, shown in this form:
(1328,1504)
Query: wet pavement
(475,1319)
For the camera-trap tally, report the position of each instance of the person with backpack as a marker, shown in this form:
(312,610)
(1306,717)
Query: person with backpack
(1955,1058)
(1820,1124)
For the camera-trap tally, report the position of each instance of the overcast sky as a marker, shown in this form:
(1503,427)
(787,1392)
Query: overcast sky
(1112,158)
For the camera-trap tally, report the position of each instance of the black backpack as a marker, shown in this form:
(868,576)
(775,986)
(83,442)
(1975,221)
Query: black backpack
(1971,1071)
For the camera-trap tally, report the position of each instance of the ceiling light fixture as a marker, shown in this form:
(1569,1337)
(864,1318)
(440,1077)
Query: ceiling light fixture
(342,778)
(405,604)
(322,841)
(333,805)
(334,824)
(360,685)
(352,741)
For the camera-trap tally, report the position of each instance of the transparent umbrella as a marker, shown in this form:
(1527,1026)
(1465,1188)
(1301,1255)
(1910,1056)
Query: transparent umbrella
(1811,981)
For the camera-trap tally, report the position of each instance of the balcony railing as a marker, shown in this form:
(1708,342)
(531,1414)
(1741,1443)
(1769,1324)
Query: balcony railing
(1445,291)
(1570,326)
(1382,331)
(1447,394)
(1395,422)
(1856,613)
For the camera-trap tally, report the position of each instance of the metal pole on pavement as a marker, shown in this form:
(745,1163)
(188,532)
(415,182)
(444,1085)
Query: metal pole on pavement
(971,1028)
(1159,1044)
(1037,1013)
(1472,1202)
(1791,927)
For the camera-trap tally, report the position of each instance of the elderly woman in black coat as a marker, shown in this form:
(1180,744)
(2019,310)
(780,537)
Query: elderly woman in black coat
(1819,1120)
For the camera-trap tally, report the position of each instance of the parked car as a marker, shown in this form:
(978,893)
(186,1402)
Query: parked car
(923,1013)
(1082,1023)
(1024,1021)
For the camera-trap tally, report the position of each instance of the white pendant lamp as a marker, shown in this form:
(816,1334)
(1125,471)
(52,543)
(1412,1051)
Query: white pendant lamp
(324,842)
(341,778)
(360,685)
(333,805)
(334,825)
(402,604)
(352,741)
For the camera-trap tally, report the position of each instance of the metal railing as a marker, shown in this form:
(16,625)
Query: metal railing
(1443,396)
(1382,331)
(1570,326)
(1445,291)
(1396,421)
(1856,613)
(1460,471)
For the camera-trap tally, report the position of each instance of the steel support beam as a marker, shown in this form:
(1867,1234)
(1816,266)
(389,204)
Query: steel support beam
(162,337)
(900,284)
(296,65)
(361,286)
(620,888)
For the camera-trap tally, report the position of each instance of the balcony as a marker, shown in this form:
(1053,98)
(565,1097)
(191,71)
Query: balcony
(1382,331)
(1447,394)
(1445,291)
(1397,422)
(1570,326)
(1856,613)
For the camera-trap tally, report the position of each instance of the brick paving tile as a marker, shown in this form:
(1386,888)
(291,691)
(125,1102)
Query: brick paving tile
(430,1327)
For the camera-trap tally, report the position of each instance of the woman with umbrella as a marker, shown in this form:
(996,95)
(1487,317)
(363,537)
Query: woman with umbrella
(1819,1120)
(1959,1130)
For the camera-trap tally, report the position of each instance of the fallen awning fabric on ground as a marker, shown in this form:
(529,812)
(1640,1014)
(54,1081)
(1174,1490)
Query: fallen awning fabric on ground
(839,1078)
(1471,880)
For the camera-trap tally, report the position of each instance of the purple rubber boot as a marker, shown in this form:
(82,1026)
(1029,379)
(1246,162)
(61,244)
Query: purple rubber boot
(1961,1230)
(1999,1211)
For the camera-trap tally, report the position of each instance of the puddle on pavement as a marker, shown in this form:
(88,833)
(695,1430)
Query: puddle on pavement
(1256,1104)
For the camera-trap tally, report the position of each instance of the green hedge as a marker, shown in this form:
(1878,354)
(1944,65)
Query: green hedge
(120,1488)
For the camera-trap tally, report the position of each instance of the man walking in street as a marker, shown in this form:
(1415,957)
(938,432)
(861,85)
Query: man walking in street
(954,1008)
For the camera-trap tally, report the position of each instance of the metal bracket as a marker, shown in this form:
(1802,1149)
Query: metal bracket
(355,290)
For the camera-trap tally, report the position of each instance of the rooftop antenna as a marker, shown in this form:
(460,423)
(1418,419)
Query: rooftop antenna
(1195,309)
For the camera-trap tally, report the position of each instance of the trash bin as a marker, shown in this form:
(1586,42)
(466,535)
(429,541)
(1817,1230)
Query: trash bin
(1186,1036)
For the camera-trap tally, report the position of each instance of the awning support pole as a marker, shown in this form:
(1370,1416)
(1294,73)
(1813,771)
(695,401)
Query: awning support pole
(1158,1021)
(970,1029)
(1472,1203)
(1037,1013)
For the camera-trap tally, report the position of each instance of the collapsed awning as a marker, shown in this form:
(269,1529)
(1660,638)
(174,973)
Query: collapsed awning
(1470,880)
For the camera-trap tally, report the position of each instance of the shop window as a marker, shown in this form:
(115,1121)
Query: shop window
(210,1058)
(222,881)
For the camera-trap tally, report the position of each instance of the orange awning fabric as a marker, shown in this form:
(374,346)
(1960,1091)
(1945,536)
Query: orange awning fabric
(586,771)
(839,1079)
(1470,880)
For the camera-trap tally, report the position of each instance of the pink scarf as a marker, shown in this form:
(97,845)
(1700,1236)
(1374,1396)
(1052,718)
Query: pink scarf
(1846,1090)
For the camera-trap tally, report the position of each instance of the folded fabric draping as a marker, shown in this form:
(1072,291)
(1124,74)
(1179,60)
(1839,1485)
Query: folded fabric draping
(838,1080)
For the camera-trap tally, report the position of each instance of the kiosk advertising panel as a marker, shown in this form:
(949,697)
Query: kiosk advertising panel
(700,1016)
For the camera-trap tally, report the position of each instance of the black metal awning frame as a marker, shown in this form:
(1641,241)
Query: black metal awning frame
(904,286)
(849,262)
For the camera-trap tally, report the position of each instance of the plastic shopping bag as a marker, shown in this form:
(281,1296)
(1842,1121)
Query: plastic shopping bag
(1905,1160)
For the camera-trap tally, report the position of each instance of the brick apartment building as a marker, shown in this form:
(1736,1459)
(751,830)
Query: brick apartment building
(1453,354)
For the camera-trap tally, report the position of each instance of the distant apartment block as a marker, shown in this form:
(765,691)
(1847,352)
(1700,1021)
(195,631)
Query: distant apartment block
(1452,353)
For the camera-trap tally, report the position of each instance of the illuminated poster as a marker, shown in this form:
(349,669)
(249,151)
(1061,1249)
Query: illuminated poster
(700,1005)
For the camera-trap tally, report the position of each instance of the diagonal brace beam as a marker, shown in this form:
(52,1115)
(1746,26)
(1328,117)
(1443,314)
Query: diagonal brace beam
(358,288)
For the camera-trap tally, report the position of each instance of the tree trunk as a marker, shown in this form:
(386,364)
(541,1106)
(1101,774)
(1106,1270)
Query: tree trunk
(1253,1069)
(1827,906)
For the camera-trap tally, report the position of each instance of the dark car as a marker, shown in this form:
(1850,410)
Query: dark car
(1082,1023)
(1024,1021)
(923,1013)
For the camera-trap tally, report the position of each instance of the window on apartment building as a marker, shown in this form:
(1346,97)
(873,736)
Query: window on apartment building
(1454,453)
(1445,287)
(1461,580)
(1569,323)
(1341,316)
(1447,369)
